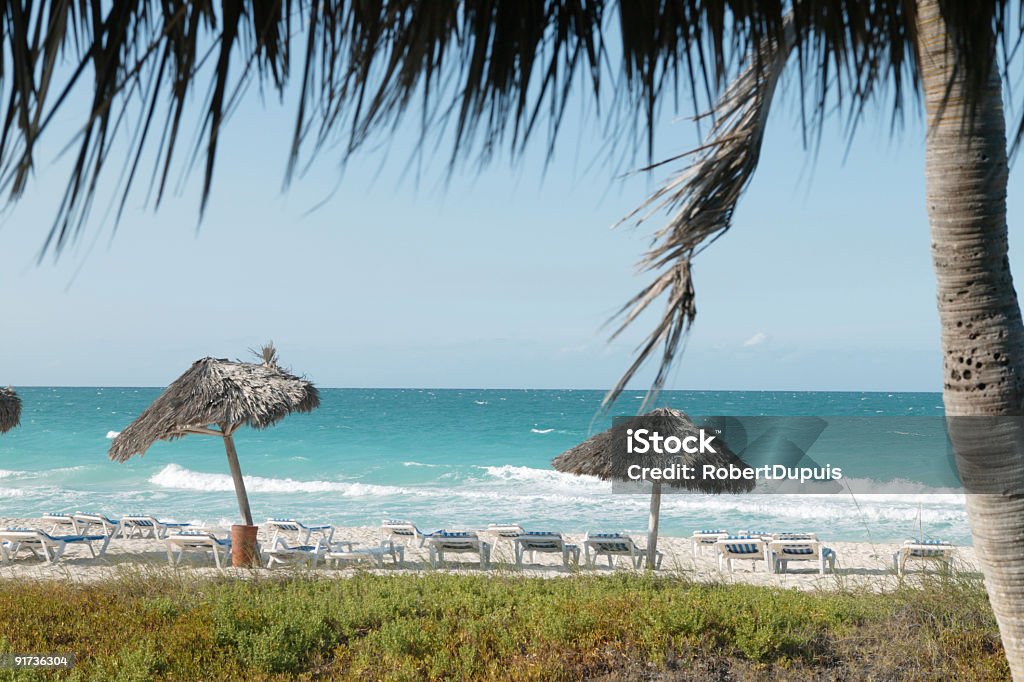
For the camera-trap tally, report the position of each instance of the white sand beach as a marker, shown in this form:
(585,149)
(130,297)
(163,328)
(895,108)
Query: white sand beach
(858,564)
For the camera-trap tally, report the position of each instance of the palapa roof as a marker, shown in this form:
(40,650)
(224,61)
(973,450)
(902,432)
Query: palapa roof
(217,392)
(10,409)
(605,456)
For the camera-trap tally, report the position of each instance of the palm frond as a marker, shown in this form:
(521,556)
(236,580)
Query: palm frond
(701,200)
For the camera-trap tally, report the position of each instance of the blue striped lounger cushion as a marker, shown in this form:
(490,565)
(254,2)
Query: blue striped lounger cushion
(742,547)
(800,551)
(931,552)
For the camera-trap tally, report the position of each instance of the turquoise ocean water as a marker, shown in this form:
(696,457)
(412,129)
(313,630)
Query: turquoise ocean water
(444,458)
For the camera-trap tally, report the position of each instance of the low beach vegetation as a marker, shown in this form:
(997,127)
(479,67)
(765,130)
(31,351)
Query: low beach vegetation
(439,626)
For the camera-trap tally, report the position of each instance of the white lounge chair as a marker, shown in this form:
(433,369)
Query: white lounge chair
(504,531)
(500,534)
(457,542)
(148,526)
(303,533)
(280,552)
(402,531)
(763,534)
(545,543)
(61,520)
(927,550)
(85,521)
(706,538)
(612,546)
(375,555)
(796,547)
(195,540)
(52,546)
(743,547)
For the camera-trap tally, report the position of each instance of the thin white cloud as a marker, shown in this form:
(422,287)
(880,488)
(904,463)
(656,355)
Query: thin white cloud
(755,340)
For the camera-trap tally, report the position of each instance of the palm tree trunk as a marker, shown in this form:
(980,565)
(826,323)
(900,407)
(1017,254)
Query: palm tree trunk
(236,476)
(982,334)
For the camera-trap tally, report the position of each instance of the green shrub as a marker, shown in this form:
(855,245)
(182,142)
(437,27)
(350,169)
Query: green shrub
(442,626)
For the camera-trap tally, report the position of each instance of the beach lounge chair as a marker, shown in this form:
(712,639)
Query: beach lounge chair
(706,538)
(926,550)
(280,552)
(457,542)
(85,521)
(797,547)
(374,555)
(613,545)
(763,534)
(61,520)
(196,540)
(303,533)
(148,526)
(792,536)
(52,546)
(504,531)
(402,531)
(741,547)
(546,543)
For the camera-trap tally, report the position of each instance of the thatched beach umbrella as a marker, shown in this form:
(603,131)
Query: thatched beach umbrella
(216,397)
(605,456)
(10,409)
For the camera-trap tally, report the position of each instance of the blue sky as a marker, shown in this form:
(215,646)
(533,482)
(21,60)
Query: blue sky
(501,277)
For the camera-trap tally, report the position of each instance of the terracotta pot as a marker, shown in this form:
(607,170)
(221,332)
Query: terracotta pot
(243,546)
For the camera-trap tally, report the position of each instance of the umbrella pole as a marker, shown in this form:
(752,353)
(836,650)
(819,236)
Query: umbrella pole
(236,476)
(652,525)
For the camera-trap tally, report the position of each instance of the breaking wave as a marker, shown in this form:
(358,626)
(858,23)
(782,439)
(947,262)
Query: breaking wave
(180,478)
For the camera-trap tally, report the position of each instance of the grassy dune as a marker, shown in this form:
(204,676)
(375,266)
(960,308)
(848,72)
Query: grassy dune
(440,626)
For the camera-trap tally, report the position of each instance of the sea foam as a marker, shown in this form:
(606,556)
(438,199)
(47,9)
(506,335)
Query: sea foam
(547,477)
(178,477)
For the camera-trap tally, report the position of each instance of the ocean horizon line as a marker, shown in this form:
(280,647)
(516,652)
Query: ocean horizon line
(526,388)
